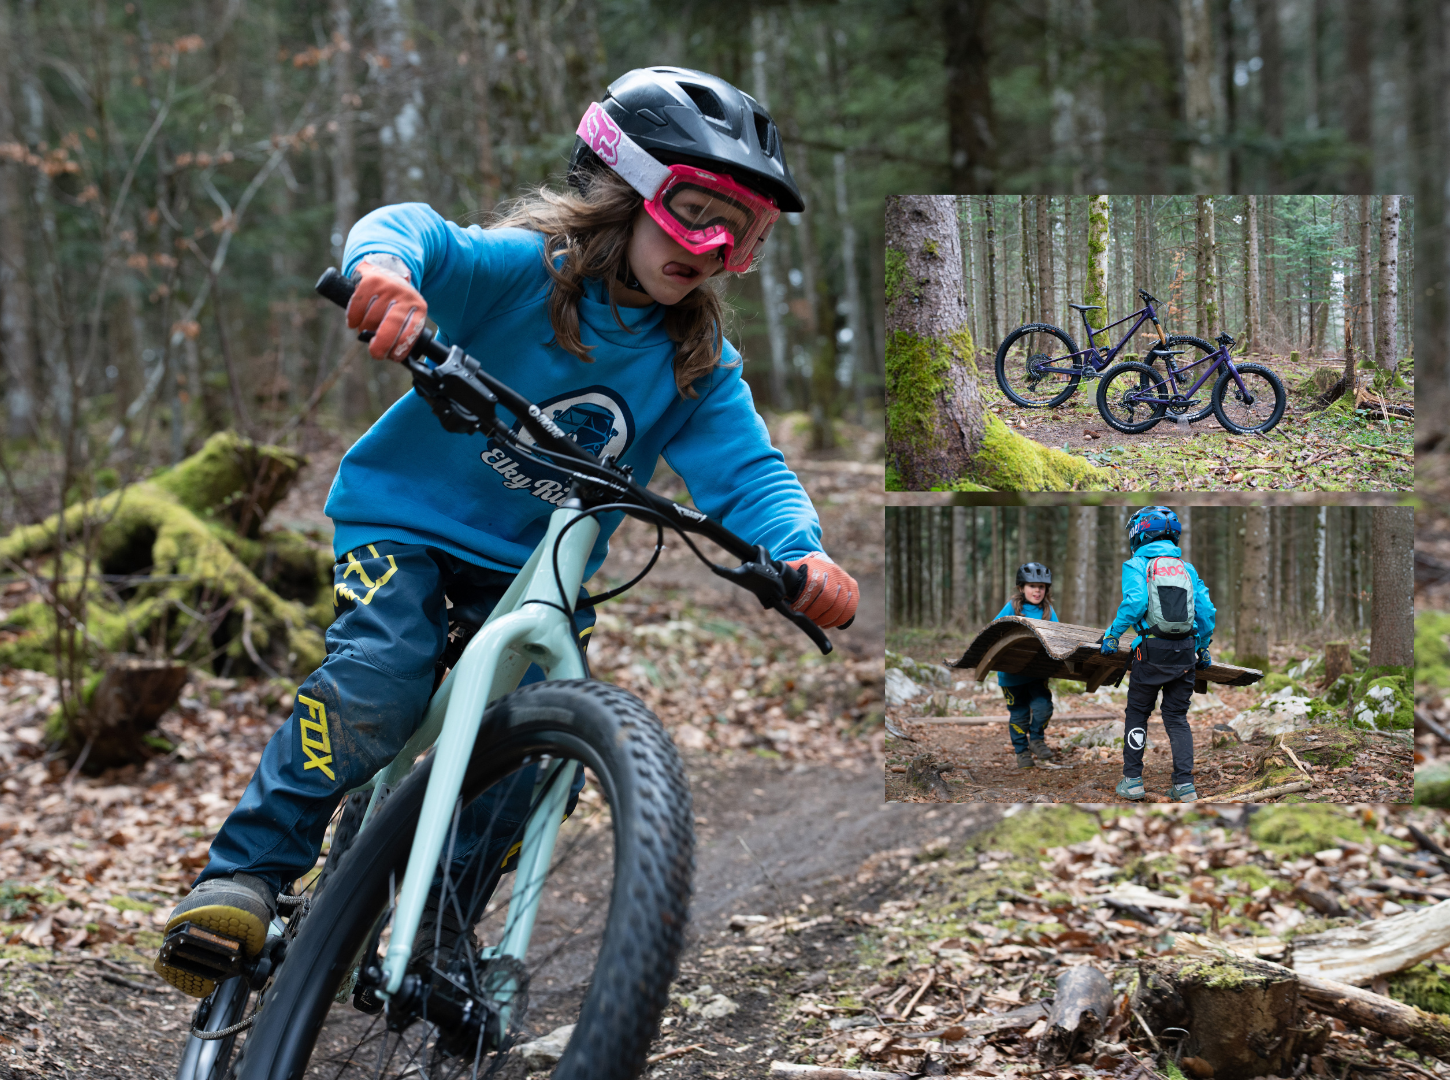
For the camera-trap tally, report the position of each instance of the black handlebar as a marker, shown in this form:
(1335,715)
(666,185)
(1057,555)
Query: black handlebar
(1224,339)
(465,397)
(1147,296)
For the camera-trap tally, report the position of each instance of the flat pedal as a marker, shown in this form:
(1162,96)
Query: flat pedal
(198,951)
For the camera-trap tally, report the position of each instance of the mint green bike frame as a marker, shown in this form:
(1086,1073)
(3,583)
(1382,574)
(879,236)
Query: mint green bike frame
(527,627)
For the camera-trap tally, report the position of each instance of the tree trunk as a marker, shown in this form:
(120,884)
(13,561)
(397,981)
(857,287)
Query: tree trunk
(1045,285)
(1097,269)
(480,61)
(1196,19)
(17,349)
(1029,283)
(1271,83)
(1336,661)
(1389,283)
(131,696)
(771,289)
(1203,265)
(1251,276)
(401,102)
(1251,641)
(934,416)
(1392,627)
(1362,306)
(971,128)
(855,324)
(1423,31)
(1358,96)
(996,327)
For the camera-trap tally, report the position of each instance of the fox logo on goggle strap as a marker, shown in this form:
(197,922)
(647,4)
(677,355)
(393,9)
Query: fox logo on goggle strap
(602,134)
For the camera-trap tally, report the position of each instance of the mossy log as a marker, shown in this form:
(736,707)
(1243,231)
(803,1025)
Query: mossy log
(1245,1018)
(200,582)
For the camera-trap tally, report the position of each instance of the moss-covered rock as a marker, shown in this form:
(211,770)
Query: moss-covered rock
(1432,785)
(1277,680)
(1384,702)
(1432,648)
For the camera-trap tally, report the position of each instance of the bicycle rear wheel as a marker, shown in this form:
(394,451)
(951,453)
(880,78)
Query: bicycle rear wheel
(1132,397)
(610,924)
(1020,358)
(1258,410)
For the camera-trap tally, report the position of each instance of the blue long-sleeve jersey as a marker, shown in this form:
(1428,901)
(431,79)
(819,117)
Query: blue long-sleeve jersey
(409,480)
(1135,594)
(1032,611)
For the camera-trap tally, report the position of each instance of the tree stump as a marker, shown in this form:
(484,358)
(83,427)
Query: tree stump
(1243,1018)
(131,696)
(1336,661)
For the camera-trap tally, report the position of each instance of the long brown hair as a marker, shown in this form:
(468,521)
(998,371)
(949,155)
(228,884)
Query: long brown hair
(587,236)
(1018,600)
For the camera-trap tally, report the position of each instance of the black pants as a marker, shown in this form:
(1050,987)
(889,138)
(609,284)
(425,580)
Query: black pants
(1145,680)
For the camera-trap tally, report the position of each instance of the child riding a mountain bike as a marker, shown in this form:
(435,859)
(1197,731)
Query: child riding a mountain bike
(1029,701)
(596,304)
(1168,604)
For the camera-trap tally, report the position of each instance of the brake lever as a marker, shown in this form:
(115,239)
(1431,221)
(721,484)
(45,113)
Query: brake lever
(768,580)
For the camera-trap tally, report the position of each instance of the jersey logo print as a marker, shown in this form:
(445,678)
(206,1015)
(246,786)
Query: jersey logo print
(353,566)
(316,720)
(595,418)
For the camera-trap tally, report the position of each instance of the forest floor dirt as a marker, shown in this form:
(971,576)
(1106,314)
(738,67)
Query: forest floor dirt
(1307,450)
(783,746)
(981,765)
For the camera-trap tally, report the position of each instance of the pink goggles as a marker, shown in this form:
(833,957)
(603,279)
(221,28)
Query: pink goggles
(702,210)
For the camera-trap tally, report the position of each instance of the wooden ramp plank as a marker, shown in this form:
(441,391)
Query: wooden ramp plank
(1041,649)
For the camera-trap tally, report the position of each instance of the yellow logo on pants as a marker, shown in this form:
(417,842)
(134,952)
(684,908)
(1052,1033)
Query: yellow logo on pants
(355,567)
(316,721)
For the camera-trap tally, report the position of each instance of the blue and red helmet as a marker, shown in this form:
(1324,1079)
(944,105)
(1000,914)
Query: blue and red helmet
(1153,523)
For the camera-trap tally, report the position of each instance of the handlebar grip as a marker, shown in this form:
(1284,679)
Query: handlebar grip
(333,286)
(794,581)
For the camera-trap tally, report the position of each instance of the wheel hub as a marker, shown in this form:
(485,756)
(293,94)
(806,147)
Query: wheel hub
(471,1006)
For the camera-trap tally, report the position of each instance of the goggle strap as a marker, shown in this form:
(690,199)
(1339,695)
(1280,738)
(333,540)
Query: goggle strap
(621,153)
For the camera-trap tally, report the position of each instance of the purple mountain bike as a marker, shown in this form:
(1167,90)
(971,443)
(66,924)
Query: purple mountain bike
(1247,398)
(1040,366)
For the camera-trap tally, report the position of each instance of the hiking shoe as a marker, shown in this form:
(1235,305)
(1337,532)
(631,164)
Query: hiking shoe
(223,913)
(1024,760)
(1183,793)
(1042,750)
(1130,787)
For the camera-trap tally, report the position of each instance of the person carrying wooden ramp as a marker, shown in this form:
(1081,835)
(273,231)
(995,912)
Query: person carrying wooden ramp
(1167,603)
(1029,700)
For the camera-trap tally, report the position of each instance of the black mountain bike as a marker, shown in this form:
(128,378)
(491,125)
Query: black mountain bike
(1040,366)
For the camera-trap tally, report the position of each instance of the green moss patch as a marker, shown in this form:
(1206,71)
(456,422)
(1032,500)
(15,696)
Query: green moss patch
(1424,986)
(1384,702)
(1305,829)
(1432,785)
(1009,461)
(1432,648)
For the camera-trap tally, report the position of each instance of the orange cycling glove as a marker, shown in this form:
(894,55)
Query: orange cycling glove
(829,595)
(385,303)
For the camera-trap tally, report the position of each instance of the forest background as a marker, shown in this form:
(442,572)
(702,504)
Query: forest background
(175,173)
(1301,574)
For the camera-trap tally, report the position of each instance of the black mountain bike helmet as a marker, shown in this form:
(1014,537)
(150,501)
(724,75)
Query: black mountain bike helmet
(692,118)
(1033,573)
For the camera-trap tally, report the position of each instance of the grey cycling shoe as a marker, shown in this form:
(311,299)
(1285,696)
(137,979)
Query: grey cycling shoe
(226,915)
(1131,787)
(1040,749)
(1024,760)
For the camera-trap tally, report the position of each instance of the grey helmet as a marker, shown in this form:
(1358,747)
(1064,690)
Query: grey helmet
(681,116)
(1033,573)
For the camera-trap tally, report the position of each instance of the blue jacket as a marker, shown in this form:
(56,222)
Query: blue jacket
(1135,594)
(1031,611)
(409,480)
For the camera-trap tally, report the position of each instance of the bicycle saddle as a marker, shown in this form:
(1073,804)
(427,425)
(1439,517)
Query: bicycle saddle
(1085,307)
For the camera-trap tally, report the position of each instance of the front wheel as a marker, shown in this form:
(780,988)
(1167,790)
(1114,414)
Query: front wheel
(1195,349)
(1254,409)
(1022,358)
(1132,397)
(608,929)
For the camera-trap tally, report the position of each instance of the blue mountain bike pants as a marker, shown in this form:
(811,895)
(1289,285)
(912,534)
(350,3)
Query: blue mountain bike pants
(1029,708)
(354,713)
